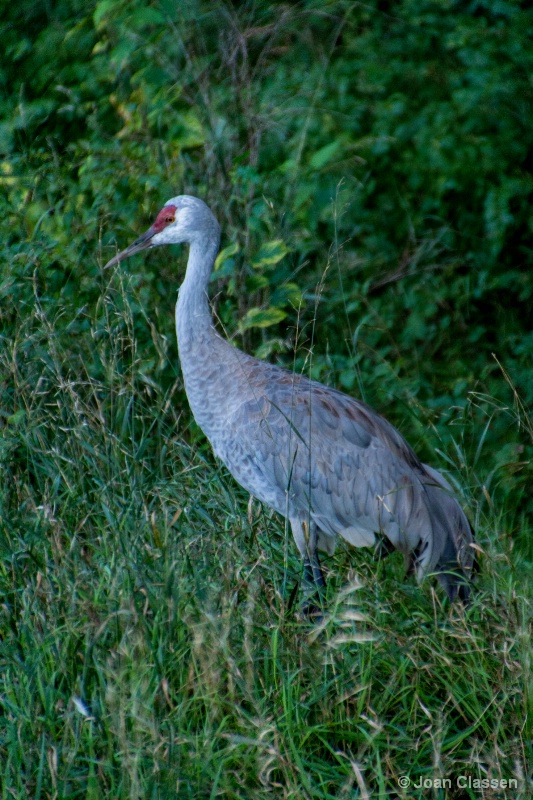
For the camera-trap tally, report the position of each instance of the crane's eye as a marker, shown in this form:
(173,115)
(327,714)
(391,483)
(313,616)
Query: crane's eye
(168,220)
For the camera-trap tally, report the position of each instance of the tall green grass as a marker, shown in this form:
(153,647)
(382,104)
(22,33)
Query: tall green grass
(148,646)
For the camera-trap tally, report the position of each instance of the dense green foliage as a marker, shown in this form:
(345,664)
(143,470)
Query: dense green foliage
(371,168)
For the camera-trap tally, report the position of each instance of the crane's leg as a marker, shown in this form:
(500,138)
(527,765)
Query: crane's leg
(313,584)
(313,575)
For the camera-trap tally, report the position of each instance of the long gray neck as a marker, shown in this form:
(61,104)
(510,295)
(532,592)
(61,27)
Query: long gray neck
(193,315)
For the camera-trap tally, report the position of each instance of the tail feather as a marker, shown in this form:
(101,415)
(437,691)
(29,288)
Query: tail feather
(449,553)
(457,563)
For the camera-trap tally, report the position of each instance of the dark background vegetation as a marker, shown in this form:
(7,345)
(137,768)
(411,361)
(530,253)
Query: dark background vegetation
(370,164)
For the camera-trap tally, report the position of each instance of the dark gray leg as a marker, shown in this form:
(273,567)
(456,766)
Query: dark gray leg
(313,574)
(313,583)
(314,586)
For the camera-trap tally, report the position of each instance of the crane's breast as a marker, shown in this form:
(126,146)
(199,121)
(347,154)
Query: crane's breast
(305,449)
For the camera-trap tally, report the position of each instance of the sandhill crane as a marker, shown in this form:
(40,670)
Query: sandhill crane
(327,462)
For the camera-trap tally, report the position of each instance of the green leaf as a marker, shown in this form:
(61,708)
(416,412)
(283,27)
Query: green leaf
(262,318)
(324,155)
(146,16)
(101,11)
(285,294)
(270,253)
(226,254)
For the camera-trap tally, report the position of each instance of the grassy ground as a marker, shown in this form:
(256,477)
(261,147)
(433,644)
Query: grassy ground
(148,647)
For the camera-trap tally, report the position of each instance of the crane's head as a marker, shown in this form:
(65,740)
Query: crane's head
(182,220)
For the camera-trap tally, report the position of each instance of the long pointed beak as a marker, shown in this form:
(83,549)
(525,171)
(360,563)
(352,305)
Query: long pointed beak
(144,242)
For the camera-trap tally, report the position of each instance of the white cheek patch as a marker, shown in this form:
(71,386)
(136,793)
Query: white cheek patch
(164,237)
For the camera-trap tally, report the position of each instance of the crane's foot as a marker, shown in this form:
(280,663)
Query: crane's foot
(314,589)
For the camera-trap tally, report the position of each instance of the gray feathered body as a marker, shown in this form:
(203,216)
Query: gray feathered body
(327,462)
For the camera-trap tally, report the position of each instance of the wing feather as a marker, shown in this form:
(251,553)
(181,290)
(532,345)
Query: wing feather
(319,454)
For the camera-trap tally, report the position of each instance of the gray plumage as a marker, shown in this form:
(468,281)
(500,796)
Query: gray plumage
(327,462)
